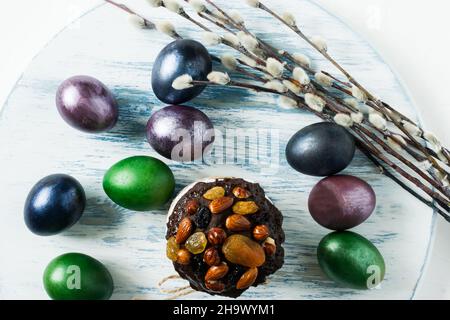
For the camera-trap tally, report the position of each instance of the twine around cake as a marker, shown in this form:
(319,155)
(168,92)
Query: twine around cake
(177,292)
(185,290)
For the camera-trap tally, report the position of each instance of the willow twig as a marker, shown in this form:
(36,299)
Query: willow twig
(372,99)
(123,7)
(315,95)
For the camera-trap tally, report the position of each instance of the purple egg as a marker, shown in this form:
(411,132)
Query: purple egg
(180,133)
(86,104)
(341,202)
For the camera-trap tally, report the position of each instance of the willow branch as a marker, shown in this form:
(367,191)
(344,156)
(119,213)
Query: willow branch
(373,100)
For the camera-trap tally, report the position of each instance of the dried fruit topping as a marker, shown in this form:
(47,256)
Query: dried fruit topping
(184,230)
(261,232)
(202,218)
(241,193)
(211,257)
(192,206)
(247,279)
(242,250)
(217,272)
(183,257)
(172,249)
(220,204)
(214,285)
(245,207)
(269,247)
(236,222)
(197,264)
(216,236)
(196,243)
(214,193)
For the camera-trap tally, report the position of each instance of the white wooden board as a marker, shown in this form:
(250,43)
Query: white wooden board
(35,142)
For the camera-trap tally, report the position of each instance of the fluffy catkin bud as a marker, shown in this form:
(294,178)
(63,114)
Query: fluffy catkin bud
(172,5)
(247,41)
(378,121)
(248,61)
(232,39)
(302,60)
(323,79)
(289,19)
(236,17)
(219,78)
(315,102)
(275,85)
(343,120)
(182,82)
(394,145)
(357,117)
(136,21)
(274,67)
(287,103)
(412,129)
(358,94)
(320,43)
(292,86)
(155,3)
(198,5)
(229,61)
(211,38)
(253,3)
(165,27)
(301,76)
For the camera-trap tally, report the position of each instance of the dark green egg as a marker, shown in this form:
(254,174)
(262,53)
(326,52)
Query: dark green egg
(76,276)
(139,183)
(351,260)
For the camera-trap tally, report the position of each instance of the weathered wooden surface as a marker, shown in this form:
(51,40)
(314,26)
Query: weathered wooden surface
(36,142)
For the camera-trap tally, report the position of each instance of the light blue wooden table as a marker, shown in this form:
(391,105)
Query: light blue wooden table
(35,142)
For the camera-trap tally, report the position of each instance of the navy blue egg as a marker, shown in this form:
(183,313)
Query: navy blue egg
(176,59)
(54,204)
(321,149)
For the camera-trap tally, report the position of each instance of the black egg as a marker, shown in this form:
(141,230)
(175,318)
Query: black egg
(176,59)
(321,149)
(54,204)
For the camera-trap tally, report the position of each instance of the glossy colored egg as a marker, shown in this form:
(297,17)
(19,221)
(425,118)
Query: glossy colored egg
(54,204)
(321,149)
(86,104)
(180,133)
(351,260)
(341,202)
(139,183)
(76,276)
(176,59)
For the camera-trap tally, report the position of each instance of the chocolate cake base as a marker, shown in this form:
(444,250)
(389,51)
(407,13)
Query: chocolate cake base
(203,220)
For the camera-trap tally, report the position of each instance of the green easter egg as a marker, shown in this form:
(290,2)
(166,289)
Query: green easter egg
(351,260)
(76,276)
(139,183)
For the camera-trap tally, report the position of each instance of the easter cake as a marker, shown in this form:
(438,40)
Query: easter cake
(224,235)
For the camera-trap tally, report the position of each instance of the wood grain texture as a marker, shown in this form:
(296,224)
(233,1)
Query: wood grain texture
(36,142)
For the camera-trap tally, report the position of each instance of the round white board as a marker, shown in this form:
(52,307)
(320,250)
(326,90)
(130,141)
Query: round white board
(36,142)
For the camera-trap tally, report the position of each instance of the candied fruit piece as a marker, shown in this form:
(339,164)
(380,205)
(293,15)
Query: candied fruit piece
(196,243)
(214,193)
(172,249)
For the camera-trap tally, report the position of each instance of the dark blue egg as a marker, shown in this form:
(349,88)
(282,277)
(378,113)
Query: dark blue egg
(176,59)
(54,204)
(321,149)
